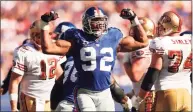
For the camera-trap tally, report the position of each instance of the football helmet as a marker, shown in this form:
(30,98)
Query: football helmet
(62,27)
(148,25)
(95,21)
(35,30)
(169,23)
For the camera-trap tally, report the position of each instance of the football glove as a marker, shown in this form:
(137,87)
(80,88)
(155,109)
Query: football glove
(127,106)
(128,14)
(136,101)
(49,16)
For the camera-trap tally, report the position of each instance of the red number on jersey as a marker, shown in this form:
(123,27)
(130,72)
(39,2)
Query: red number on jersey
(176,59)
(52,63)
(43,70)
(188,62)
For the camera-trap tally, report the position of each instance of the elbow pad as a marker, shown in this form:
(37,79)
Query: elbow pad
(117,92)
(149,78)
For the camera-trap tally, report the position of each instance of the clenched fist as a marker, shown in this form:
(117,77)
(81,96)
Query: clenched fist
(128,14)
(49,16)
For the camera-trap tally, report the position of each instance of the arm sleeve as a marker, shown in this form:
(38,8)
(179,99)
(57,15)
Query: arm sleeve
(19,66)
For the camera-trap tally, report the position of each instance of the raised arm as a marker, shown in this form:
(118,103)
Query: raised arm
(60,47)
(139,40)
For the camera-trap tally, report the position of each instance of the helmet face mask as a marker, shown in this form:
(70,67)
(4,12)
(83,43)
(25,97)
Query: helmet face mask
(168,24)
(98,25)
(95,22)
(163,30)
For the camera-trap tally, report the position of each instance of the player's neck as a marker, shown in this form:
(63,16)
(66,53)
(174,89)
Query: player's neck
(37,46)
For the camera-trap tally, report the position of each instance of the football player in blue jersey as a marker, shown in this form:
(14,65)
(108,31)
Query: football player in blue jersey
(94,51)
(62,93)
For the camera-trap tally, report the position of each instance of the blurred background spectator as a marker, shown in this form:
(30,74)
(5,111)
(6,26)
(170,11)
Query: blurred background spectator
(16,17)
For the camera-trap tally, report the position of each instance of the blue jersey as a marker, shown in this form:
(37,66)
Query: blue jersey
(70,79)
(93,58)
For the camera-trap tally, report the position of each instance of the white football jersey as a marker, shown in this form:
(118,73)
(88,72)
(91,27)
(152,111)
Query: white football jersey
(141,53)
(177,62)
(37,70)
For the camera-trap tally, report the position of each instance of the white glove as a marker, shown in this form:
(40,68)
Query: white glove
(136,101)
(129,102)
(128,105)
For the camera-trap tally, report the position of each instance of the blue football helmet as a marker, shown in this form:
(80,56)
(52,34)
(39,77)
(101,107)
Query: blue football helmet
(62,27)
(95,21)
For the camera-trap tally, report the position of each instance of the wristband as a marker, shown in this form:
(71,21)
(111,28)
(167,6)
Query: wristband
(44,25)
(13,96)
(135,22)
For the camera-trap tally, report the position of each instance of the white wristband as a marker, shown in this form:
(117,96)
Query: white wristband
(44,25)
(13,96)
(135,22)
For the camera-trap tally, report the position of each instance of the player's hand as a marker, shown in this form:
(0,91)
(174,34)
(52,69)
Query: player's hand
(127,106)
(49,16)
(128,14)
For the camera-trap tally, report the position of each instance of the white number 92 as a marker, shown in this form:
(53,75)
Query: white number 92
(92,58)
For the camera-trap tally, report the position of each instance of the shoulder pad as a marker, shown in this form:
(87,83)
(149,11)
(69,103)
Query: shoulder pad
(24,48)
(113,28)
(115,31)
(19,53)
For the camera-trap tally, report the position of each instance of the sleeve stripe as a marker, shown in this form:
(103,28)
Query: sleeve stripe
(21,67)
